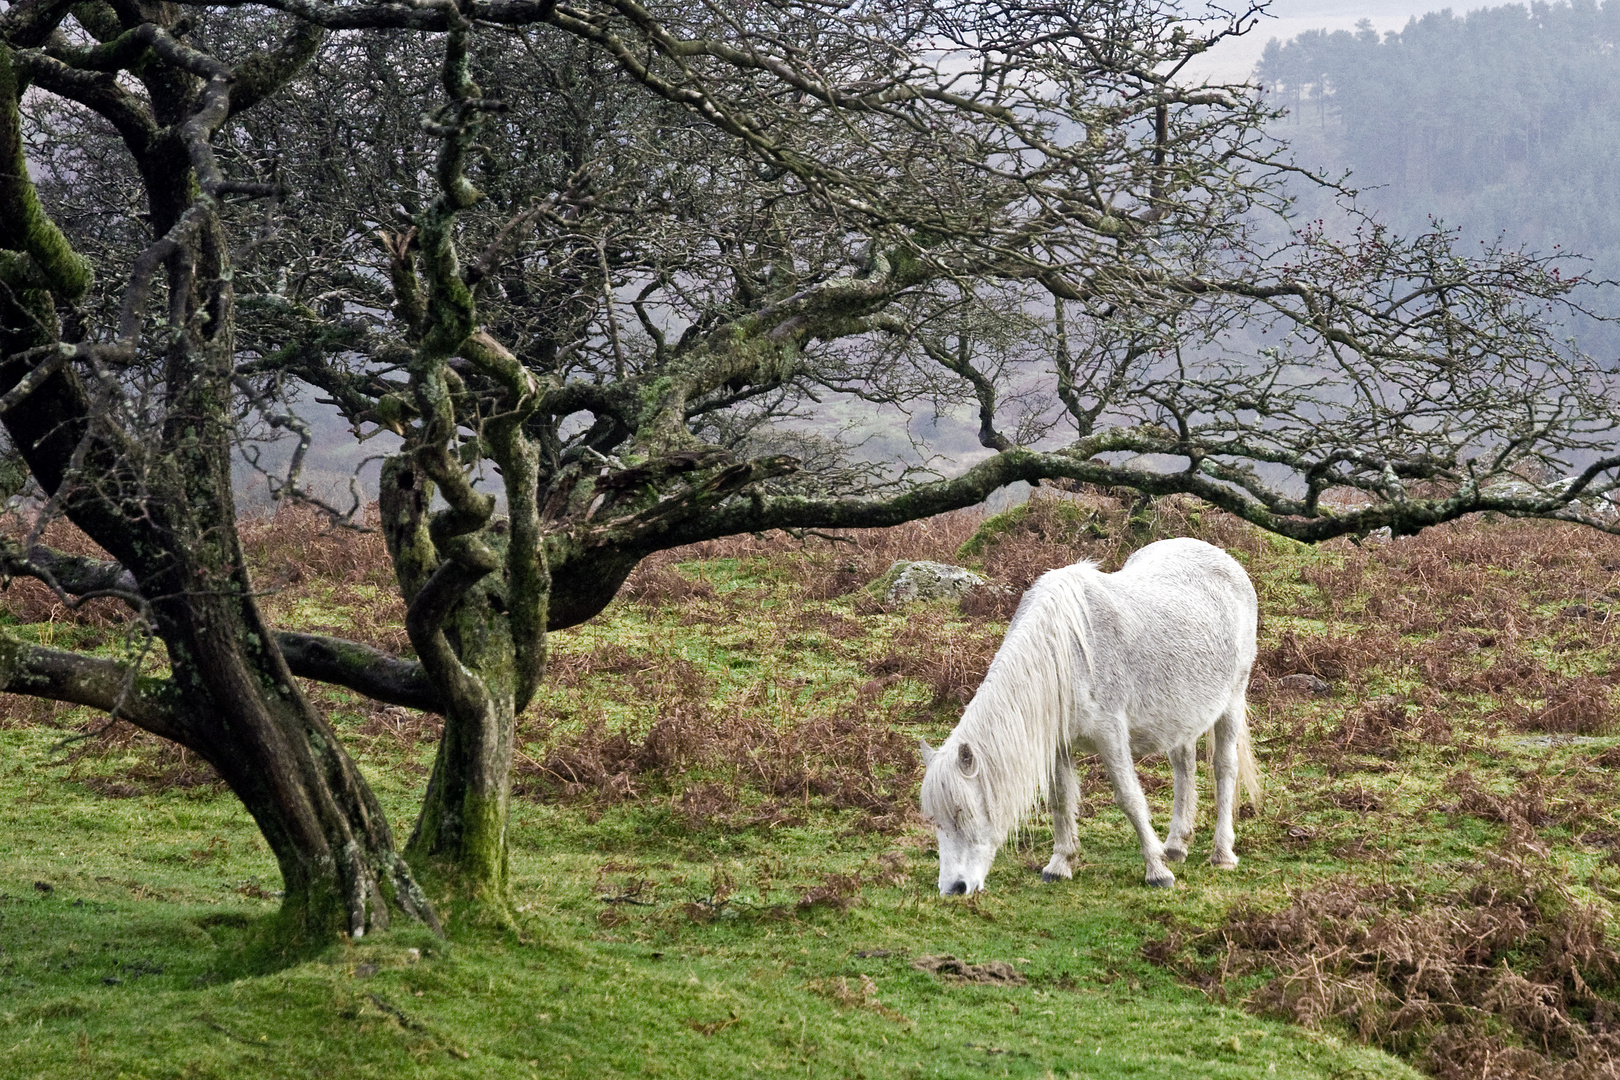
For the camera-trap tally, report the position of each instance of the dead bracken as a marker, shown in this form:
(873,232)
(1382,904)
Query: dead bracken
(1507,976)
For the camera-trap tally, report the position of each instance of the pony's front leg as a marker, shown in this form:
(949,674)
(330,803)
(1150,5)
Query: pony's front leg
(1116,758)
(1184,811)
(1064,796)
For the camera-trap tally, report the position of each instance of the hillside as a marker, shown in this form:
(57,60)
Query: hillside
(721,870)
(1499,122)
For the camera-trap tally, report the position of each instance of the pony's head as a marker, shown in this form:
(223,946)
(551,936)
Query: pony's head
(955,799)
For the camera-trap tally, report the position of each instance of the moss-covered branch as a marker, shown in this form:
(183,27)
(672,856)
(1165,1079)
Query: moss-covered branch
(24,226)
(360,668)
(112,686)
(1288,517)
(263,73)
(96,91)
(29,22)
(518,457)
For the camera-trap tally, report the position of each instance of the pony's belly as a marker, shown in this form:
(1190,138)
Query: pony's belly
(1154,733)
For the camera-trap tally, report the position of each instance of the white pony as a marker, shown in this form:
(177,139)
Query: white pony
(1121,665)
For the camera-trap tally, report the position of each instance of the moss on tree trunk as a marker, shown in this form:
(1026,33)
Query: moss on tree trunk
(467,651)
(459,842)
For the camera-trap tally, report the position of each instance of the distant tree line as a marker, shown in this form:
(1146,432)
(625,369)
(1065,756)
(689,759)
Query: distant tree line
(1503,121)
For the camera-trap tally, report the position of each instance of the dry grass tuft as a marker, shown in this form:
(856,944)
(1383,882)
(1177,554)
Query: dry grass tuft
(148,764)
(1331,657)
(20,711)
(853,992)
(991,603)
(656,583)
(733,766)
(299,546)
(940,655)
(1580,706)
(839,892)
(1502,978)
(1535,800)
(1378,726)
(404,729)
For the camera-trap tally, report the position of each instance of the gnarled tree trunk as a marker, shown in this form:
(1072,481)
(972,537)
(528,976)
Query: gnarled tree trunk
(234,701)
(160,500)
(464,640)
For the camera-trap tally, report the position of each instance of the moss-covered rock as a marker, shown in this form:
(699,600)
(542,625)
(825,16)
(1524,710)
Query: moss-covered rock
(1058,519)
(924,580)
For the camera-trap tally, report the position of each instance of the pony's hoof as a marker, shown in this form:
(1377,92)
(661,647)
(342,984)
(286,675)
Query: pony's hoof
(1047,877)
(1228,863)
(1175,854)
(1166,882)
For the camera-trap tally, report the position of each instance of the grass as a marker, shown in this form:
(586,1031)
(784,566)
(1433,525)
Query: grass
(681,977)
(719,869)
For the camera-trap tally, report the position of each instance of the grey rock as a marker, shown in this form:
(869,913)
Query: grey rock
(929,581)
(1309,683)
(1516,488)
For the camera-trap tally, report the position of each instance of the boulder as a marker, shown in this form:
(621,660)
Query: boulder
(1308,683)
(928,581)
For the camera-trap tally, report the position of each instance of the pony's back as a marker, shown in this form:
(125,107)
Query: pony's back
(1168,640)
(1185,579)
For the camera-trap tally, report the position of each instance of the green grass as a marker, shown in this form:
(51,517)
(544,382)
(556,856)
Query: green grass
(126,966)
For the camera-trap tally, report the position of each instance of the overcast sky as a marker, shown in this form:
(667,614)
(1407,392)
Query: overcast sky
(1234,59)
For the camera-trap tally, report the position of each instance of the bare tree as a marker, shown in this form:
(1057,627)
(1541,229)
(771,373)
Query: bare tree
(625,260)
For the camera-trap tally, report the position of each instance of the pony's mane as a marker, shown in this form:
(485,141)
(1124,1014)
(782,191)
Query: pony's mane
(1019,714)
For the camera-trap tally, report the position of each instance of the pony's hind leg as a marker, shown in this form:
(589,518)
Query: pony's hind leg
(1116,759)
(1184,812)
(1225,756)
(1064,796)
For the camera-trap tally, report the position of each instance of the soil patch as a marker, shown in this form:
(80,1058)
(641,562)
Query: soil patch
(949,968)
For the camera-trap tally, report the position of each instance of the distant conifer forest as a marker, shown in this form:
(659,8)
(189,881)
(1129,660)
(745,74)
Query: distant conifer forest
(1504,122)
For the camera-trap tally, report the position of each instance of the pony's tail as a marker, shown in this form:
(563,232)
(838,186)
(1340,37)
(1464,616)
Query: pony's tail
(1248,771)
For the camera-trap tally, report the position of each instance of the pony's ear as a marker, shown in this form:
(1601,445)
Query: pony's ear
(927,752)
(965,758)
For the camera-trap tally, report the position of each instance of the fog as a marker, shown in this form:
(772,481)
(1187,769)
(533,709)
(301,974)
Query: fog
(1234,60)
